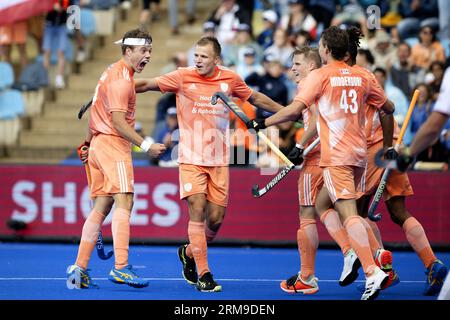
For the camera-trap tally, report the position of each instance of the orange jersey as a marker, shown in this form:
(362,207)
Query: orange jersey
(340,92)
(203,127)
(114,92)
(374,132)
(313,157)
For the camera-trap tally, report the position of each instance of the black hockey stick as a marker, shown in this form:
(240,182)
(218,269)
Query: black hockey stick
(377,197)
(272,183)
(84,108)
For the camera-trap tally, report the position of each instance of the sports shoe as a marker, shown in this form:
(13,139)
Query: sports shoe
(189,268)
(59,82)
(436,274)
(79,279)
(350,270)
(383,259)
(206,283)
(127,275)
(391,282)
(374,282)
(296,284)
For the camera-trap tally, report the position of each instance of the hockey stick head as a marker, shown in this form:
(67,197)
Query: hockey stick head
(83,109)
(376,217)
(255,191)
(101,250)
(218,95)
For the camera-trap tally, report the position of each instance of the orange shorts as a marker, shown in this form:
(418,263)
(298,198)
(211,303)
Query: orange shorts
(111,166)
(13,34)
(212,181)
(342,181)
(310,182)
(398,182)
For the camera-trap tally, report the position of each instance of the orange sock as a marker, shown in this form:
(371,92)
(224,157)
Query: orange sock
(197,239)
(308,241)
(376,231)
(360,243)
(121,236)
(418,240)
(373,242)
(89,235)
(332,222)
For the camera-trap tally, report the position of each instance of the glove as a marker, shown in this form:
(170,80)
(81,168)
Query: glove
(390,154)
(296,155)
(256,124)
(83,151)
(404,160)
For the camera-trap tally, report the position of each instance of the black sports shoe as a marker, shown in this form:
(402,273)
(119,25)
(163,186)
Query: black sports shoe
(189,269)
(206,283)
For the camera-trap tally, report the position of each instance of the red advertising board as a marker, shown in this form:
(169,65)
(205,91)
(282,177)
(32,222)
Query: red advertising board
(54,200)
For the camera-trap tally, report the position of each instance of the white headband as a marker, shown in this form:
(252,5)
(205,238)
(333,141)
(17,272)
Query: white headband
(134,42)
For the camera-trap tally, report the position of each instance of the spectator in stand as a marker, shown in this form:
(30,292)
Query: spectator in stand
(147,7)
(302,38)
(249,64)
(270,20)
(351,12)
(382,49)
(281,49)
(271,84)
(436,70)
(401,102)
(167,101)
(298,19)
(178,60)
(416,14)
(169,136)
(209,30)
(404,74)
(428,49)
(14,34)
(323,11)
(444,19)
(55,30)
(365,59)
(173,14)
(233,52)
(423,108)
(227,18)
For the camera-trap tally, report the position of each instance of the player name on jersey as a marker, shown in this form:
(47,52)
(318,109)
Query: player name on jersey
(346,81)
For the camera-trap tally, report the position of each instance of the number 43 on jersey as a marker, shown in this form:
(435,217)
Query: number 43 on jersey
(352,97)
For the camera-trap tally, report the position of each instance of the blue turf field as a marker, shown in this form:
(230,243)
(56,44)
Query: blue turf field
(37,271)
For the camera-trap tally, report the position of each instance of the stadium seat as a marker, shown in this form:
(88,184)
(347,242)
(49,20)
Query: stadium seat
(446,44)
(105,20)
(11,108)
(7,75)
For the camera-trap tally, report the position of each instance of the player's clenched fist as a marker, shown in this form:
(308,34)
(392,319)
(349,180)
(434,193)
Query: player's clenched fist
(256,124)
(296,155)
(156,150)
(83,151)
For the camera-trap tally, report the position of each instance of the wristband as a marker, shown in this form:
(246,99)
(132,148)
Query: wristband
(145,145)
(300,146)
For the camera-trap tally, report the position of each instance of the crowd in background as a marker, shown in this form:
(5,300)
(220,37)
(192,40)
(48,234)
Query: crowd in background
(406,45)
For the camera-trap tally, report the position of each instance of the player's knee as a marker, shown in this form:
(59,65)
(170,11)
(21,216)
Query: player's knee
(397,210)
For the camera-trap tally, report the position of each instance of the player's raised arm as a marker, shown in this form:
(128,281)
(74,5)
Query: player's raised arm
(262,101)
(147,84)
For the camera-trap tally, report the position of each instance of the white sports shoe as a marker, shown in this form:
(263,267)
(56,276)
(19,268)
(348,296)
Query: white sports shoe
(59,82)
(350,270)
(374,283)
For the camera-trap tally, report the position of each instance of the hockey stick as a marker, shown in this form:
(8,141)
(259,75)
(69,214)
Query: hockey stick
(272,183)
(100,248)
(382,185)
(241,115)
(84,108)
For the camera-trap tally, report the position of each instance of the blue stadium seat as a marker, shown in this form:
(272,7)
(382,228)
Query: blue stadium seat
(446,44)
(7,75)
(11,104)
(87,22)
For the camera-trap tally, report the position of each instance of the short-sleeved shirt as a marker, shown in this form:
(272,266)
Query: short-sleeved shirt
(341,92)
(313,157)
(443,101)
(114,92)
(204,136)
(374,132)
